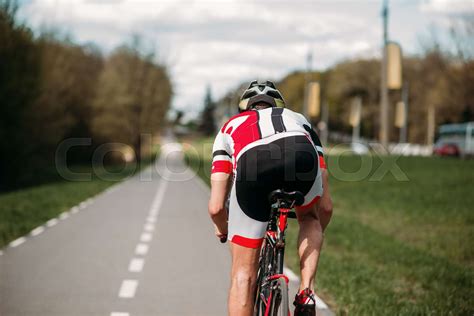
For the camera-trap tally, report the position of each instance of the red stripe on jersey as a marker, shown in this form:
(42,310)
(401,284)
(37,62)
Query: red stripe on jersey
(233,117)
(221,166)
(322,163)
(247,242)
(247,132)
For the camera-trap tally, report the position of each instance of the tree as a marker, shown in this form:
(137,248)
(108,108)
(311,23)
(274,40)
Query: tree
(19,80)
(208,125)
(133,96)
(69,75)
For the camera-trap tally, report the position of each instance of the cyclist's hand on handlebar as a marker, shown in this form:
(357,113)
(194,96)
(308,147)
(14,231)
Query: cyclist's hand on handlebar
(222,235)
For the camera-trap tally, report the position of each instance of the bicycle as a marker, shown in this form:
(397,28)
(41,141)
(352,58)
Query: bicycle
(271,298)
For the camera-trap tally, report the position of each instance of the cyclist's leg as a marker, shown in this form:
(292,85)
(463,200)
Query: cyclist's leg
(243,279)
(310,236)
(248,215)
(310,240)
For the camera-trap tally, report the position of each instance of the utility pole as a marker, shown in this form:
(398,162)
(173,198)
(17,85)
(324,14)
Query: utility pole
(383,84)
(307,79)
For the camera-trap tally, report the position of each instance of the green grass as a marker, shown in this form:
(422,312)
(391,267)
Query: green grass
(393,247)
(23,210)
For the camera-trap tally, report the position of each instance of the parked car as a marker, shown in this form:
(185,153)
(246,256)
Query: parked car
(455,140)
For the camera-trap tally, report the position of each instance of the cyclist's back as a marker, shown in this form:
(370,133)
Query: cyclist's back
(266,149)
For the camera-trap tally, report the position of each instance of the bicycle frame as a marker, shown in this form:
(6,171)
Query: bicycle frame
(272,254)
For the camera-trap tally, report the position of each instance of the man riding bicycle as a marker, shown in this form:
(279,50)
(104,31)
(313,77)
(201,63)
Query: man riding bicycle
(263,148)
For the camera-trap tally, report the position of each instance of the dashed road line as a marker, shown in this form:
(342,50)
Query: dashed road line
(38,230)
(149,227)
(136,265)
(146,237)
(74,210)
(17,242)
(141,249)
(151,219)
(1,253)
(128,288)
(52,222)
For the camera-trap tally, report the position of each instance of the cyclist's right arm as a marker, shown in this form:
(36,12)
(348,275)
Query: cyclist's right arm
(220,177)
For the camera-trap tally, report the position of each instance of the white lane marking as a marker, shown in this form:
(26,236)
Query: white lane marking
(151,219)
(74,210)
(136,265)
(146,237)
(153,212)
(63,216)
(17,242)
(119,314)
(141,249)
(52,222)
(1,253)
(128,288)
(149,227)
(37,231)
(82,205)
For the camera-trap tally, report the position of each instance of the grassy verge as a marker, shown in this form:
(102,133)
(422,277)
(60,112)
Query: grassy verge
(393,247)
(23,210)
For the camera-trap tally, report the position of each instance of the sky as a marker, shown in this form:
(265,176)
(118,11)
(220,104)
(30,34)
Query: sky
(223,43)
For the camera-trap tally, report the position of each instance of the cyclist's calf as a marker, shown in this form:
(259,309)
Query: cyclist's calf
(243,279)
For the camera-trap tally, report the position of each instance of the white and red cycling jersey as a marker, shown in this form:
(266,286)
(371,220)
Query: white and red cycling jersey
(245,129)
(267,149)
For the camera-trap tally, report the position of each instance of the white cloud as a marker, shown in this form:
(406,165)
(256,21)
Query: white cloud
(222,42)
(448,6)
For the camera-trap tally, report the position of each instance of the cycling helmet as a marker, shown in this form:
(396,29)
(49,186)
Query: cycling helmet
(261,93)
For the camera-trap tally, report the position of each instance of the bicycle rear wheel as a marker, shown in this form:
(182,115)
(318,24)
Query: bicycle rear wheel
(263,291)
(278,305)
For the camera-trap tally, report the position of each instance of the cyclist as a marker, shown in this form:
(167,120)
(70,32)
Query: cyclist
(263,148)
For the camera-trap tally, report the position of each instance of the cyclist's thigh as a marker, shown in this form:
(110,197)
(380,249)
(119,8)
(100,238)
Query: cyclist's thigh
(244,230)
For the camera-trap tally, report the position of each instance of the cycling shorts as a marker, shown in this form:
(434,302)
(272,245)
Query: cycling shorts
(289,163)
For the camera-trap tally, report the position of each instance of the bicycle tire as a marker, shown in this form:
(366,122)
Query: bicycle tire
(266,256)
(280,304)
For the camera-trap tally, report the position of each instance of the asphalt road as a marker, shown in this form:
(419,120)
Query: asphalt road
(144,247)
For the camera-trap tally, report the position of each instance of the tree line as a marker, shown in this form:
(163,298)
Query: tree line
(52,89)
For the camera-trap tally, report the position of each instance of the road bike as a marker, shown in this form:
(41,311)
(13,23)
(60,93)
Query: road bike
(271,298)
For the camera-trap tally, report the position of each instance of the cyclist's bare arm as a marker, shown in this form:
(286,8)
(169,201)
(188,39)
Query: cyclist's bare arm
(325,204)
(217,210)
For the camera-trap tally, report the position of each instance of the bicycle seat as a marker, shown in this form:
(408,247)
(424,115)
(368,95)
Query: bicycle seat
(295,198)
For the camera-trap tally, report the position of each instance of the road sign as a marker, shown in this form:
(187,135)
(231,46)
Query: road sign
(394,66)
(400,114)
(314,107)
(356,109)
